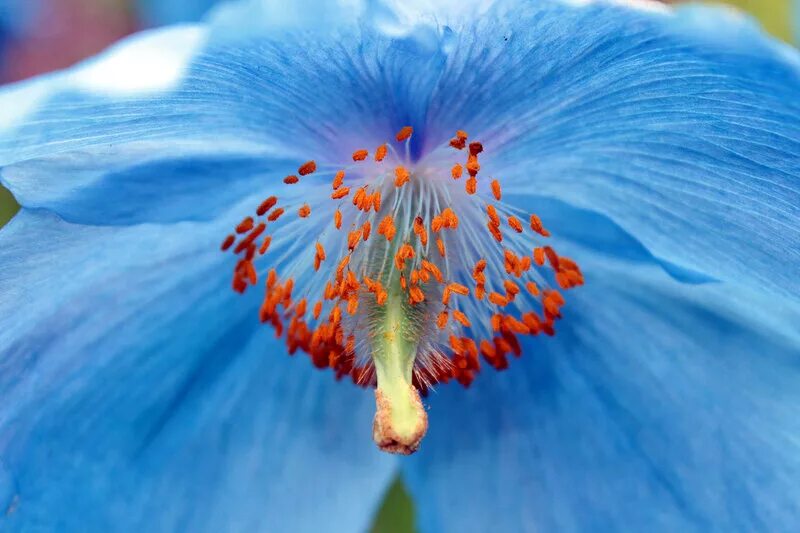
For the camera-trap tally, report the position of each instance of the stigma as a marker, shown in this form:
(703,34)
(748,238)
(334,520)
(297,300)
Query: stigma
(401,274)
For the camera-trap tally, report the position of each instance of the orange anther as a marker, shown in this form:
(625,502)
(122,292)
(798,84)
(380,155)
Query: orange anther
(552,257)
(337,219)
(524,265)
(381,297)
(335,316)
(266,205)
(404,133)
(317,310)
(556,297)
(538,256)
(265,245)
(420,231)
(291,180)
(493,217)
(352,239)
(300,308)
(276,214)
(247,242)
(320,251)
(496,190)
(515,326)
(440,246)
(386,227)
(342,265)
(458,289)
(472,185)
(457,171)
(532,288)
(461,318)
(380,153)
(473,167)
(416,295)
(403,283)
(487,349)
(227,243)
(340,193)
(458,144)
(441,320)
(475,148)
(360,155)
(515,224)
(401,176)
(531,320)
(359,195)
(449,218)
(365,230)
(512,289)
(461,134)
(304,211)
(551,308)
(433,269)
(245,225)
(495,231)
(366,203)
(376,201)
(338,179)
(498,299)
(536,225)
(455,344)
(250,272)
(307,168)
(272,278)
(480,291)
(480,266)
(352,305)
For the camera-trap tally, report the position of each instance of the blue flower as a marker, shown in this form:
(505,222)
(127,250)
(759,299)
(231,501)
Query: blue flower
(659,147)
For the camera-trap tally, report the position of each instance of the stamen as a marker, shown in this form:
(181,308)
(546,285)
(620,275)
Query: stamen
(404,133)
(307,168)
(380,153)
(383,307)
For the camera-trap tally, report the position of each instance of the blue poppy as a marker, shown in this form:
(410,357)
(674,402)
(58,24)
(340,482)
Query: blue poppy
(659,148)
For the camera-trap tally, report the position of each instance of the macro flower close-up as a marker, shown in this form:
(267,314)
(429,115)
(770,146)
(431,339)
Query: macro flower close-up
(537,259)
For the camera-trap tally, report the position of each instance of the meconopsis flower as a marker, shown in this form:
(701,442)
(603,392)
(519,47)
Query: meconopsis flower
(572,225)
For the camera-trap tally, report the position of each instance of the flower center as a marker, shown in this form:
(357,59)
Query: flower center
(416,271)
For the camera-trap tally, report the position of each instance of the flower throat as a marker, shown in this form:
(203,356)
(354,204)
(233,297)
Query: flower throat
(416,272)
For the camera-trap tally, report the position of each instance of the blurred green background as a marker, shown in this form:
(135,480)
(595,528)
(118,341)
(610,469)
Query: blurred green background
(67,30)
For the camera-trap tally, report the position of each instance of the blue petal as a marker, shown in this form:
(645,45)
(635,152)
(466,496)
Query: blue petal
(655,407)
(686,135)
(157,12)
(138,392)
(79,134)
